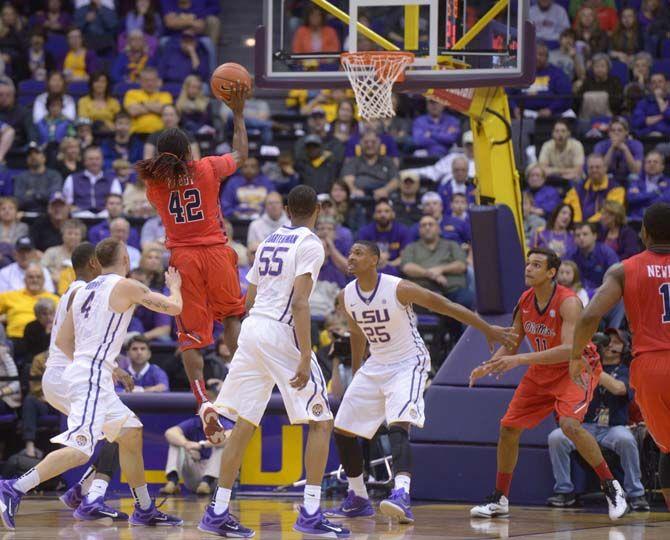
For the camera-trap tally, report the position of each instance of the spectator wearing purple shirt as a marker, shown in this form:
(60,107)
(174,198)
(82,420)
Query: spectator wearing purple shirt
(593,259)
(557,236)
(114,208)
(436,131)
(150,324)
(243,195)
(614,232)
(335,265)
(456,225)
(147,377)
(650,187)
(389,235)
(622,154)
(549,95)
(652,113)
(545,198)
(183,56)
(460,183)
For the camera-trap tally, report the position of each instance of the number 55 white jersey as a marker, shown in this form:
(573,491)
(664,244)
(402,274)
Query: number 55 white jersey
(284,255)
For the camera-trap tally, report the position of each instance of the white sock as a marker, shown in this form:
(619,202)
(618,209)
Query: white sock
(141,495)
(98,489)
(86,480)
(221,500)
(312,499)
(28,481)
(402,481)
(357,484)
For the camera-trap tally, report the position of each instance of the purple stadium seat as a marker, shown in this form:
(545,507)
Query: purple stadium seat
(77,89)
(56,44)
(620,71)
(173,88)
(122,87)
(661,66)
(32,88)
(665,48)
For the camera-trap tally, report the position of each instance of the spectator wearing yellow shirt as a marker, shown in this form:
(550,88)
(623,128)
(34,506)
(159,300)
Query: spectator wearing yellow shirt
(145,104)
(79,61)
(99,105)
(18,306)
(588,197)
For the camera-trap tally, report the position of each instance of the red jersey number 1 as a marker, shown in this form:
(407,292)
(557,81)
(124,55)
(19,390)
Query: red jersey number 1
(185,207)
(664,291)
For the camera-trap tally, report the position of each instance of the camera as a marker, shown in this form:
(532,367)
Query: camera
(341,348)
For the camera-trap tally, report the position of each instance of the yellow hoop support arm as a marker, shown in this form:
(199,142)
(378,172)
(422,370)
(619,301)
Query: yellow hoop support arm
(373,36)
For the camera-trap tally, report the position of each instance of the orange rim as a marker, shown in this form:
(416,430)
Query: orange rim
(376,60)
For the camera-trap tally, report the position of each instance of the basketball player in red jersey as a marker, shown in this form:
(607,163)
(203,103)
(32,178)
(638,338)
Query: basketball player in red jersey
(185,194)
(546,314)
(644,283)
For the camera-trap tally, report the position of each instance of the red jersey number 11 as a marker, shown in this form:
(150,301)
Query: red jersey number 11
(185,207)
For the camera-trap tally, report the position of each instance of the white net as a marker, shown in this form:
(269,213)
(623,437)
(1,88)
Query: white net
(372,76)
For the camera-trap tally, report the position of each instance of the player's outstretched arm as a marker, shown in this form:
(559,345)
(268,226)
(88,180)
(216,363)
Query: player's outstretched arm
(356,338)
(240,139)
(504,358)
(606,297)
(129,292)
(302,288)
(65,337)
(410,293)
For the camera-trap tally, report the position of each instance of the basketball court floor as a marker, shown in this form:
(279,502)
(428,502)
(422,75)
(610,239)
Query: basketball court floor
(44,518)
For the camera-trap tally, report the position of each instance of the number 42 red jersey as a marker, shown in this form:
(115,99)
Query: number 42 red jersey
(191,212)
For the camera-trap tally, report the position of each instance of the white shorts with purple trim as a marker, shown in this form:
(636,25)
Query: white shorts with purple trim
(382,392)
(96,411)
(267,354)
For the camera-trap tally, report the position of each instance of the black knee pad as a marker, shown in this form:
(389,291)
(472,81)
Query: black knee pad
(400,450)
(351,454)
(664,471)
(108,459)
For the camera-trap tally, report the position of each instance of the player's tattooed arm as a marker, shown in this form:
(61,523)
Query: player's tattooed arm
(240,139)
(131,292)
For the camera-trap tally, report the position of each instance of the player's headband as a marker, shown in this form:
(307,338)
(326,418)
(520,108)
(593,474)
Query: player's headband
(171,154)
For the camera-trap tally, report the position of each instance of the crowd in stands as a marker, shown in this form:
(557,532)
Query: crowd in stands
(85,92)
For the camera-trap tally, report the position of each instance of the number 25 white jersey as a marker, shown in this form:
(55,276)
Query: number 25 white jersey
(286,254)
(389,327)
(99,332)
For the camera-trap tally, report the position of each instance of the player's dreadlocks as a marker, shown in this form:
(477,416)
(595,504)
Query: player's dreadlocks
(171,163)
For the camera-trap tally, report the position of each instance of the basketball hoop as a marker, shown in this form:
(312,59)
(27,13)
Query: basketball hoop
(372,75)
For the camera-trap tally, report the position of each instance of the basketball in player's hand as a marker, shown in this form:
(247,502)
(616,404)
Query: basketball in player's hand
(225,76)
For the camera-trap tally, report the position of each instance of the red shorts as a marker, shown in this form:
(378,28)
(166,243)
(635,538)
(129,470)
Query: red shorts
(547,389)
(650,378)
(210,290)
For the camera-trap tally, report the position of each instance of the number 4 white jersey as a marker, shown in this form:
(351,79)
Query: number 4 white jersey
(389,327)
(99,331)
(284,255)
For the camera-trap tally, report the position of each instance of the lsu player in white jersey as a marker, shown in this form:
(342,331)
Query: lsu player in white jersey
(274,347)
(93,483)
(92,335)
(389,386)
